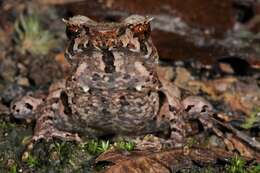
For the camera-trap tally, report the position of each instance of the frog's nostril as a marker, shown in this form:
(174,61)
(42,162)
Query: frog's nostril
(163,116)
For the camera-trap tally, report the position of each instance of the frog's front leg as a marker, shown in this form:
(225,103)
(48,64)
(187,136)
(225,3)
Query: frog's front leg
(25,107)
(46,128)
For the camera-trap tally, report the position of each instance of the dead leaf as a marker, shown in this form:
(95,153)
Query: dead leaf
(243,149)
(58,2)
(160,162)
(240,96)
(234,139)
(234,101)
(182,78)
(227,68)
(60,58)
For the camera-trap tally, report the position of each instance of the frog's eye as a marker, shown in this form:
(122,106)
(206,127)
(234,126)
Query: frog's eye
(77,25)
(72,31)
(139,29)
(140,25)
(142,30)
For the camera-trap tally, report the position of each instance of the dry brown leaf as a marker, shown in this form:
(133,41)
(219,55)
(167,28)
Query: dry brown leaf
(234,100)
(240,96)
(58,2)
(182,78)
(243,149)
(60,58)
(160,162)
(234,139)
(195,86)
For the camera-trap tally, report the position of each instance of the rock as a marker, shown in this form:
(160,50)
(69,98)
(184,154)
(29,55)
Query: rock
(44,70)
(23,81)
(8,69)
(216,142)
(11,92)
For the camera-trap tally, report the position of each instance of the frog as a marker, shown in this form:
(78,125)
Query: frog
(113,87)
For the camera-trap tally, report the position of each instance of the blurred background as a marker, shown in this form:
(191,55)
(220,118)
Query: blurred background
(202,29)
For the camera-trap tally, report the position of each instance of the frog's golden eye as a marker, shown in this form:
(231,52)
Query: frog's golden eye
(141,30)
(73,28)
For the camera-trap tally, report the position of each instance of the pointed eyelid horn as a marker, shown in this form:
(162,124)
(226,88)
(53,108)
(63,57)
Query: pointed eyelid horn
(65,21)
(149,19)
(137,19)
(78,20)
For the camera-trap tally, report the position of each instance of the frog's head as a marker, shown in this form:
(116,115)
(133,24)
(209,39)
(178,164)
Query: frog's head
(131,33)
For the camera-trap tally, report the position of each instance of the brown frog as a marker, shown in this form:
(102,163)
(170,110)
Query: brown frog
(113,88)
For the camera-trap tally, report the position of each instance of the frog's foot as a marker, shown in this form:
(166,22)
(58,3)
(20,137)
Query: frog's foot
(154,143)
(45,126)
(148,142)
(45,130)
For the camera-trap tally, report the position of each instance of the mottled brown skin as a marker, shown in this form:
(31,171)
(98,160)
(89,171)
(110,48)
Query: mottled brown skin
(113,88)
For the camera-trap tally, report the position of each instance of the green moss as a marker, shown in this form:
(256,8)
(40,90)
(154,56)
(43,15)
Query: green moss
(6,125)
(238,165)
(254,169)
(209,170)
(252,119)
(31,37)
(32,161)
(60,151)
(13,168)
(58,156)
(191,142)
(125,145)
(95,147)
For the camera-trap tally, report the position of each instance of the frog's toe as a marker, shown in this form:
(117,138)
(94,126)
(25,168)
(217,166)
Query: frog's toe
(50,133)
(46,130)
